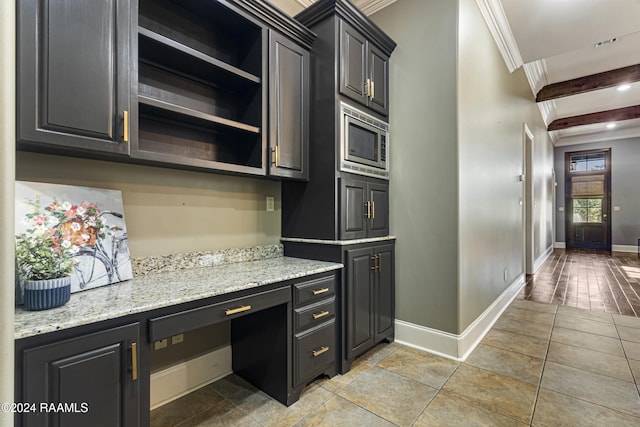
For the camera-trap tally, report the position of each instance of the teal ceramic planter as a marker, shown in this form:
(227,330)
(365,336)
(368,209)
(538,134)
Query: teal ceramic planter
(46,294)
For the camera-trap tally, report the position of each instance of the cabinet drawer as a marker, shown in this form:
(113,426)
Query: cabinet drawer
(314,351)
(313,290)
(309,316)
(177,323)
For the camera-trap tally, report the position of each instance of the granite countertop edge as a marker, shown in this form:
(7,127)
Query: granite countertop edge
(337,242)
(160,290)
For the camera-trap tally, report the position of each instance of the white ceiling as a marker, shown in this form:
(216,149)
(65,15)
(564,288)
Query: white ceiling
(554,40)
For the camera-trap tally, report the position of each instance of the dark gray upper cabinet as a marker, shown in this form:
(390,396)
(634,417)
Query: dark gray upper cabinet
(288,108)
(364,206)
(364,70)
(353,63)
(185,82)
(98,369)
(73,74)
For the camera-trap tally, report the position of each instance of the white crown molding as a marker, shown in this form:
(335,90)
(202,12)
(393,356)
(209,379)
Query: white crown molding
(536,73)
(368,7)
(608,135)
(548,110)
(496,20)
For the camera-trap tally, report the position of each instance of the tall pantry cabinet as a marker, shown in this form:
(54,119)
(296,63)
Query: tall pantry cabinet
(337,215)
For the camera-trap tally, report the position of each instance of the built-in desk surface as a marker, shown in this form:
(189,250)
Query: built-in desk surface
(161,290)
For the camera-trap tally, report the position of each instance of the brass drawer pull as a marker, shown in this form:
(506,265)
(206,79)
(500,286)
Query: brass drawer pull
(231,311)
(320,315)
(125,126)
(320,291)
(134,361)
(317,353)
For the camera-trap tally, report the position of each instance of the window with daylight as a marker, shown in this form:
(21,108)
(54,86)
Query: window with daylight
(587,162)
(587,211)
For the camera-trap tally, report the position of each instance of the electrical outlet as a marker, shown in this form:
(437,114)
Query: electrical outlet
(177,339)
(270,204)
(160,344)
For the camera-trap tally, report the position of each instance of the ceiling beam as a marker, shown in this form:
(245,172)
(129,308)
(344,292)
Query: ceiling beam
(619,114)
(584,84)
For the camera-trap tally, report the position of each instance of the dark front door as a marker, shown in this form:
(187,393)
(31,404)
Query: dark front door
(588,177)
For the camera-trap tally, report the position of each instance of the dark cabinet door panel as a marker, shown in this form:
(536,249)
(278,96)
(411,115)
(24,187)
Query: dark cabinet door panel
(385,292)
(379,197)
(353,205)
(379,72)
(360,334)
(95,372)
(73,73)
(353,63)
(289,108)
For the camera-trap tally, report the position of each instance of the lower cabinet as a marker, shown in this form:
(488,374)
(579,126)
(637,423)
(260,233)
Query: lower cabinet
(91,380)
(315,348)
(370,297)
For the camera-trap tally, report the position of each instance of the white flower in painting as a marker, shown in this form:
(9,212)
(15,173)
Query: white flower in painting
(52,221)
(74,249)
(85,237)
(80,211)
(91,221)
(40,230)
(66,206)
(75,226)
(66,244)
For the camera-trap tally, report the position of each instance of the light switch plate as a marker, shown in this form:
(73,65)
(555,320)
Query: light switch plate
(270,204)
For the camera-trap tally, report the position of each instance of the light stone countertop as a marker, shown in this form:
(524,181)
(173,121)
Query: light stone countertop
(160,290)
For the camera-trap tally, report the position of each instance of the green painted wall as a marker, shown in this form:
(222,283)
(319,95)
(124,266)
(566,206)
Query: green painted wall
(424,159)
(457,119)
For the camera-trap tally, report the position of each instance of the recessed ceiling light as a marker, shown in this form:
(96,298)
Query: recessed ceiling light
(611,125)
(624,87)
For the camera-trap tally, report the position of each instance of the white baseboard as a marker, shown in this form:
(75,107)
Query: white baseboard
(182,379)
(624,248)
(452,346)
(541,259)
(614,248)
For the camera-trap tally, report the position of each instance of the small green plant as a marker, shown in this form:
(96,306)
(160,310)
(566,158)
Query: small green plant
(39,258)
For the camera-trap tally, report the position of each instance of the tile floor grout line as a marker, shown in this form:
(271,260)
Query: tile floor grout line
(544,364)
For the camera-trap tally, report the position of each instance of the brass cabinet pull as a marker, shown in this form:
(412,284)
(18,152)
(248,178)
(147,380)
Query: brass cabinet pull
(134,361)
(368,209)
(274,157)
(373,90)
(320,315)
(373,210)
(367,86)
(231,311)
(320,291)
(321,350)
(376,262)
(125,126)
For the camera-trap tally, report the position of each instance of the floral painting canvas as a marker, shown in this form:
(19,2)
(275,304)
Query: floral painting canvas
(85,224)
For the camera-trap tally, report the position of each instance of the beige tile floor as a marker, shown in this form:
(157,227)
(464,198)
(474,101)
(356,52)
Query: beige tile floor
(540,365)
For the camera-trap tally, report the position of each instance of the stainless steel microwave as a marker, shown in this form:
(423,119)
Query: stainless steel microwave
(364,143)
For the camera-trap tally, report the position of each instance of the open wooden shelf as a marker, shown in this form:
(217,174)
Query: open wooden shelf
(200,86)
